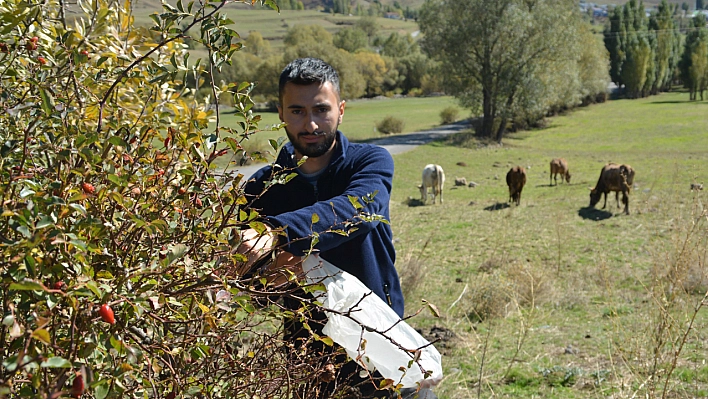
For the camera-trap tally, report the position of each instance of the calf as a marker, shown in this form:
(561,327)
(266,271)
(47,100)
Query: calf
(433,177)
(617,178)
(559,166)
(516,179)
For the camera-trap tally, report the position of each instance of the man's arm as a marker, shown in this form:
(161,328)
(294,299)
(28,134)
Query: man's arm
(374,175)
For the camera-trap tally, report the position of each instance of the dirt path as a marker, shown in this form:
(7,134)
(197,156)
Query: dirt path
(395,144)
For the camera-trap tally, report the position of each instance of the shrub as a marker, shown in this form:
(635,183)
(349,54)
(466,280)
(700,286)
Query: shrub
(449,115)
(117,226)
(390,124)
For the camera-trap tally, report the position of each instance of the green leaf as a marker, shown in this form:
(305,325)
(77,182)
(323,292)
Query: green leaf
(259,227)
(78,207)
(47,101)
(315,218)
(176,251)
(43,335)
(117,140)
(101,389)
(355,202)
(56,362)
(45,221)
(116,180)
(27,285)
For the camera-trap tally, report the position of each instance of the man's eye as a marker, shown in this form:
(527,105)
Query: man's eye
(323,109)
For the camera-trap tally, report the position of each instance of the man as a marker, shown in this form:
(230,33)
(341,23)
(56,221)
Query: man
(330,171)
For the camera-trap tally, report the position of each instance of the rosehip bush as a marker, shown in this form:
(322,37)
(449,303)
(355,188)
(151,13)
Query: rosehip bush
(118,276)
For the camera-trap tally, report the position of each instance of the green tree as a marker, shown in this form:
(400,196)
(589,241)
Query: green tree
(256,45)
(489,49)
(351,39)
(369,25)
(694,60)
(668,46)
(615,35)
(594,65)
(700,5)
(397,45)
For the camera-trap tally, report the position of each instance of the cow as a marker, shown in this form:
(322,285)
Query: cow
(433,177)
(559,166)
(617,178)
(516,179)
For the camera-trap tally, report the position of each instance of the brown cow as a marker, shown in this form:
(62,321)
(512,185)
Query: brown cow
(617,178)
(515,179)
(559,166)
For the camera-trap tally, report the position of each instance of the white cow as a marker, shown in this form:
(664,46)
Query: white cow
(434,177)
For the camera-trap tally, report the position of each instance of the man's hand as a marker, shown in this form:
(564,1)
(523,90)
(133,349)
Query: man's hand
(254,245)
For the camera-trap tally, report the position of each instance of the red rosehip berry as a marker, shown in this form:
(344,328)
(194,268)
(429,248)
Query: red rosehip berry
(106,314)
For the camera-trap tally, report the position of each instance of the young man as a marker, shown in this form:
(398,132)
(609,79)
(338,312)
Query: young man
(333,171)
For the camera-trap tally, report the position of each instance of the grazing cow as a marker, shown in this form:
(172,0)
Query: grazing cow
(617,178)
(559,166)
(516,179)
(433,177)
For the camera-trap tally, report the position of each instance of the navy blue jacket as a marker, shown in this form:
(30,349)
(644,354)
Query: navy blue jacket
(354,170)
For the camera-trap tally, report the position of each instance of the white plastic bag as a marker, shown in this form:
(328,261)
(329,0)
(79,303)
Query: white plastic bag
(386,335)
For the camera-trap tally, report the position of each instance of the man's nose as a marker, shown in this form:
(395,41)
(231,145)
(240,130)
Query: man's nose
(311,125)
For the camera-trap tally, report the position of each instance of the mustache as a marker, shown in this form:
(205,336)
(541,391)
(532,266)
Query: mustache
(315,133)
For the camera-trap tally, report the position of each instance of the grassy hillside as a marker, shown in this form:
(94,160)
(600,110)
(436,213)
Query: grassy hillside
(273,25)
(551,299)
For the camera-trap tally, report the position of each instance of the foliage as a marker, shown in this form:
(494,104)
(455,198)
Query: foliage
(117,229)
(390,124)
(505,59)
(351,39)
(644,52)
(449,115)
(694,60)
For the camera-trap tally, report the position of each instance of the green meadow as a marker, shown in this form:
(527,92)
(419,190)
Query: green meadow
(551,299)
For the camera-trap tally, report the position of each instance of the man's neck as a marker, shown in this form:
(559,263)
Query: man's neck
(313,165)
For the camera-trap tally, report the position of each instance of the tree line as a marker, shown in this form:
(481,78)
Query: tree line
(369,64)
(512,62)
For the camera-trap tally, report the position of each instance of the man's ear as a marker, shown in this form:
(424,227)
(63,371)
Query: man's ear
(342,105)
(280,113)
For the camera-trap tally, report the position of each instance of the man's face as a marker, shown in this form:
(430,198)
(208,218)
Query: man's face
(312,113)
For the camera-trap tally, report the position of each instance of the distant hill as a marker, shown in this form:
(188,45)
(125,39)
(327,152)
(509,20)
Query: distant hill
(273,25)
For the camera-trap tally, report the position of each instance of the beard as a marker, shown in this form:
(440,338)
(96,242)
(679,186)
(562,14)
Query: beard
(312,150)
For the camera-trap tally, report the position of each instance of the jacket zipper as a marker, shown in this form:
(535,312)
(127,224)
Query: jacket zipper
(388,296)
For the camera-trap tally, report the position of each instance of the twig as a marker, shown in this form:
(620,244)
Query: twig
(458,298)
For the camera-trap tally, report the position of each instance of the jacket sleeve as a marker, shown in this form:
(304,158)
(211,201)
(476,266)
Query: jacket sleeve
(373,174)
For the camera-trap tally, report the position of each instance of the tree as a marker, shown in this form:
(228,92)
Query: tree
(668,46)
(700,5)
(373,69)
(351,39)
(694,60)
(256,45)
(489,49)
(369,25)
(397,45)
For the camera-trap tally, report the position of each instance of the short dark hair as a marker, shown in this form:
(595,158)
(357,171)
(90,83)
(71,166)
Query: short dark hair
(305,71)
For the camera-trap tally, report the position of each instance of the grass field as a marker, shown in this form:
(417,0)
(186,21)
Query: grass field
(551,299)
